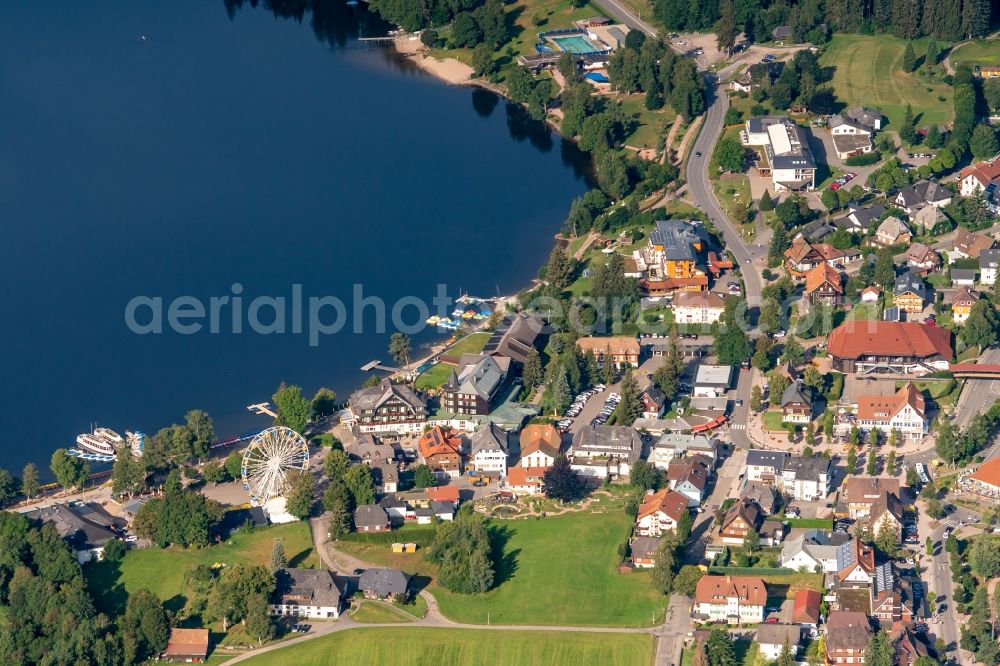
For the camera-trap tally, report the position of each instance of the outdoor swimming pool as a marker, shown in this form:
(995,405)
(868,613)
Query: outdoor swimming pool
(578,43)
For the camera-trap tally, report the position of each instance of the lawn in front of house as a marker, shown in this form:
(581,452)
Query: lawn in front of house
(774,421)
(162,570)
(868,70)
(473,343)
(982,52)
(413,646)
(561,571)
(433,377)
(377,612)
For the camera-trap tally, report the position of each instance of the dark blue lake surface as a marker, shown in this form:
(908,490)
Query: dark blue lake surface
(232,145)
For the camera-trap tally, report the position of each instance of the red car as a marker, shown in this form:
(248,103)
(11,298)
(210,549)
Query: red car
(834,185)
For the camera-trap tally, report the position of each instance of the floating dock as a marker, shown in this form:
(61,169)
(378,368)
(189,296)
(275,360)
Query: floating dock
(377,365)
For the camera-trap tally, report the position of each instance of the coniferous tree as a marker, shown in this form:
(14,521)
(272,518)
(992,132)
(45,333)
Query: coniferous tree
(909,58)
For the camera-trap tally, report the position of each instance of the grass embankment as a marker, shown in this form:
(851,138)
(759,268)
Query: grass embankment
(554,571)
(982,52)
(377,612)
(868,70)
(163,570)
(403,646)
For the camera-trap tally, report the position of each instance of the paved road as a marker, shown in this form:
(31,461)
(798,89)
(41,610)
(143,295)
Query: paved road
(978,395)
(624,14)
(700,189)
(939,575)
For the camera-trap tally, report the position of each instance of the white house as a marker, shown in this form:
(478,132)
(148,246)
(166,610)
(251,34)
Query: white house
(730,599)
(765,466)
(540,445)
(904,411)
(660,512)
(974,178)
(788,159)
(989,262)
(771,639)
(814,550)
(489,450)
(672,446)
(806,479)
(309,593)
(697,307)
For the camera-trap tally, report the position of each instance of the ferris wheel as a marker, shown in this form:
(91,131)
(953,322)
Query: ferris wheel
(272,454)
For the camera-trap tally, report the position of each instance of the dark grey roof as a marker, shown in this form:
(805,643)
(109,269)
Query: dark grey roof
(762,458)
(383,582)
(490,437)
(442,507)
(909,281)
(782,32)
(81,533)
(621,441)
(374,396)
(390,501)
(817,230)
(869,214)
(923,191)
(762,494)
(481,378)
(779,634)
(989,258)
(515,336)
(317,585)
(644,546)
(370,515)
(884,579)
(676,238)
(864,115)
(964,273)
(797,392)
(807,468)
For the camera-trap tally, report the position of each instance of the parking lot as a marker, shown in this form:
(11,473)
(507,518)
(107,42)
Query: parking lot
(575,412)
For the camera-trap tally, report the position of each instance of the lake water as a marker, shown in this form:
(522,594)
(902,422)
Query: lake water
(168,150)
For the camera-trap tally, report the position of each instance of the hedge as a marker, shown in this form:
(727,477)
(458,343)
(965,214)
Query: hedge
(809,523)
(421,536)
(864,159)
(752,571)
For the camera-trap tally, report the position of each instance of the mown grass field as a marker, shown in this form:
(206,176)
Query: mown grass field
(405,646)
(649,125)
(561,571)
(163,570)
(982,52)
(868,70)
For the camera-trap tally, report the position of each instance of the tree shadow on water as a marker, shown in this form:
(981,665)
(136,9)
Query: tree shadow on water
(504,561)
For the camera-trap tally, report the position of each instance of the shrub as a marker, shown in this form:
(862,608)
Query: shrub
(864,159)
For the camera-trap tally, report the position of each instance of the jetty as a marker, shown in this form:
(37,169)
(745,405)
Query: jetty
(263,408)
(377,365)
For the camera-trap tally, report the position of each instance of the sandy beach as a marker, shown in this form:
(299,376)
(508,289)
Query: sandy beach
(449,70)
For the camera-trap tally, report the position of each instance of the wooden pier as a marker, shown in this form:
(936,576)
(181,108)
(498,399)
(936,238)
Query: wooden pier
(263,408)
(377,365)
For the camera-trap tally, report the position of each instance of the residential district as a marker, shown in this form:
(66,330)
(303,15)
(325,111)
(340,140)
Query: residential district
(758,425)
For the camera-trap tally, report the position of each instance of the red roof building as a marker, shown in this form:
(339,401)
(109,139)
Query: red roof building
(909,348)
(805,607)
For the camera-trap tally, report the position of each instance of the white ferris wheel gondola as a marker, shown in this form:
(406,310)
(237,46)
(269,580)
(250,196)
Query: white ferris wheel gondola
(272,454)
